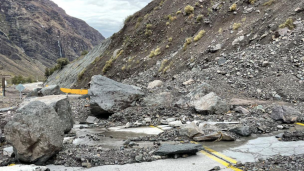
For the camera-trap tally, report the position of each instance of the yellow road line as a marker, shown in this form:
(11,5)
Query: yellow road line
(156,127)
(219,160)
(73,91)
(222,162)
(300,124)
(220,155)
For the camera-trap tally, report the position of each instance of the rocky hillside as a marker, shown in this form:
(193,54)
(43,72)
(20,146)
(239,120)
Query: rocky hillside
(248,48)
(40,30)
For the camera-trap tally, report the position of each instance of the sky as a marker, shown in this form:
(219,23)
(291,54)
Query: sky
(106,16)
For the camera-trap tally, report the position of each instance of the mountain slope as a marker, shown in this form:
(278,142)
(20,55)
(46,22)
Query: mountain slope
(43,31)
(244,48)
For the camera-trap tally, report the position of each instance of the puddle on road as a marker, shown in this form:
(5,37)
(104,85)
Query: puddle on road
(252,148)
(110,138)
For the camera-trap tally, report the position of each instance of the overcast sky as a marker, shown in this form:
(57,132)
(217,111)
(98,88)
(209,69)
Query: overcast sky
(106,16)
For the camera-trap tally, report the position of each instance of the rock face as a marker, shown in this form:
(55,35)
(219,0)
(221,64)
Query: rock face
(285,114)
(61,106)
(70,74)
(43,31)
(51,90)
(168,149)
(211,104)
(35,132)
(109,96)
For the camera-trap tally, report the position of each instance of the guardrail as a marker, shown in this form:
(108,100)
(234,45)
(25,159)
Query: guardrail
(73,91)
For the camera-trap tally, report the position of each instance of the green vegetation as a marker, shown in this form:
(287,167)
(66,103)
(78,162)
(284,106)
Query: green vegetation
(233,7)
(197,4)
(81,74)
(148,32)
(146,16)
(168,67)
(85,52)
(163,65)
(178,12)
(61,62)
(128,19)
(220,31)
(188,42)
(189,9)
(170,39)
(252,1)
(288,23)
(155,52)
(199,35)
(199,18)
(139,20)
(109,63)
(268,3)
(149,26)
(20,79)
(236,26)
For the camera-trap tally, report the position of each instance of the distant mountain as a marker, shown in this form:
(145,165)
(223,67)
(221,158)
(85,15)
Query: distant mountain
(38,32)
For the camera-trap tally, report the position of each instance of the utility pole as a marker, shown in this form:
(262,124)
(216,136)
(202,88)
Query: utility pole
(3,82)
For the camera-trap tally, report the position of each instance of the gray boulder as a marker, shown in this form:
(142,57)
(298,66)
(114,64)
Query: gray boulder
(190,130)
(35,132)
(109,96)
(169,149)
(215,136)
(199,92)
(285,113)
(35,93)
(244,131)
(51,90)
(62,107)
(242,110)
(211,104)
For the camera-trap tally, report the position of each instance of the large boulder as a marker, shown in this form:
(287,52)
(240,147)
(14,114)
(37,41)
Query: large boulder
(243,131)
(36,133)
(109,96)
(285,113)
(62,107)
(199,92)
(51,90)
(211,104)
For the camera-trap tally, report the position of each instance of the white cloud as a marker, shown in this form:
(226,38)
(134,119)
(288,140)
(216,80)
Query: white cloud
(106,16)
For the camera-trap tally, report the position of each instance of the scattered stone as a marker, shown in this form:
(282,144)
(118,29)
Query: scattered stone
(35,93)
(242,110)
(109,96)
(154,84)
(189,82)
(36,133)
(211,104)
(238,40)
(92,120)
(26,168)
(51,90)
(190,130)
(285,113)
(175,124)
(161,99)
(243,131)
(215,136)
(168,149)
(215,48)
(8,151)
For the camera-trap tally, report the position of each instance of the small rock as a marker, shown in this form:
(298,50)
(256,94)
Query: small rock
(154,84)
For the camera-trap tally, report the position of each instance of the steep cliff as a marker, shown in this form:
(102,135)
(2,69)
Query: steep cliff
(43,32)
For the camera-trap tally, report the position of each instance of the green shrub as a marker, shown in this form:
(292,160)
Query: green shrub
(109,63)
(187,42)
(20,79)
(149,26)
(170,39)
(128,19)
(288,23)
(85,52)
(148,32)
(163,65)
(61,62)
(252,1)
(178,12)
(189,9)
(81,74)
(199,35)
(199,18)
(155,52)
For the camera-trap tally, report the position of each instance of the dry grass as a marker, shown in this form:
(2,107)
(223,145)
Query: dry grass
(199,18)
(189,9)
(268,3)
(288,23)
(155,52)
(233,7)
(252,1)
(163,65)
(199,35)
(187,42)
(170,39)
(109,63)
(236,26)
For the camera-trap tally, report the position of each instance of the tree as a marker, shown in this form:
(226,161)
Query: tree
(47,72)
